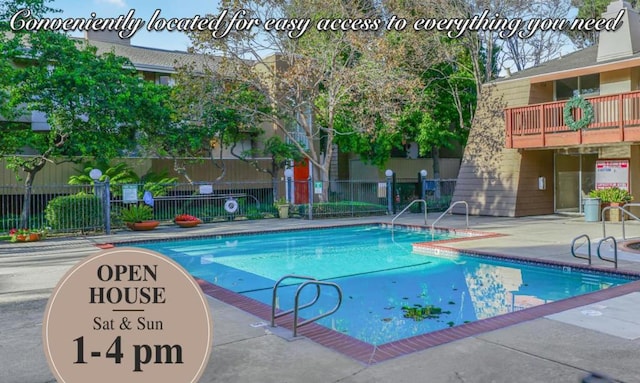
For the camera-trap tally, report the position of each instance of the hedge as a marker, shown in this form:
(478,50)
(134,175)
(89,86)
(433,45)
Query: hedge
(79,211)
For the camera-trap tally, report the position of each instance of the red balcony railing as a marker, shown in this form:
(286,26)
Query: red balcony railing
(616,118)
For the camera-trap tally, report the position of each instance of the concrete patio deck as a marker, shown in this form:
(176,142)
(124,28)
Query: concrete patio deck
(562,347)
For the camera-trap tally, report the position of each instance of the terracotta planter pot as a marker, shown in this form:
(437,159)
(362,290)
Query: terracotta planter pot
(188,223)
(143,226)
(31,237)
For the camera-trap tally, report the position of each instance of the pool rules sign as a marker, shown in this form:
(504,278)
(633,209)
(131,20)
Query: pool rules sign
(612,173)
(127,315)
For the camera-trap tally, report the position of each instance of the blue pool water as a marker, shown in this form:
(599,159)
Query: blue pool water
(382,280)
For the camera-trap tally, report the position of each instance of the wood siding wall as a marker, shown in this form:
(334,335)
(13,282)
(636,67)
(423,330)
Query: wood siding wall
(490,174)
(531,200)
(237,171)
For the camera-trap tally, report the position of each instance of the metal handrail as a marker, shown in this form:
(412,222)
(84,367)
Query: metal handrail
(615,251)
(573,243)
(433,225)
(296,308)
(623,211)
(274,294)
(406,208)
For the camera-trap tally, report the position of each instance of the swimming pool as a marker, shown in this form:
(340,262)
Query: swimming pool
(389,292)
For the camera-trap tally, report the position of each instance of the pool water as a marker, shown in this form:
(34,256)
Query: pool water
(389,292)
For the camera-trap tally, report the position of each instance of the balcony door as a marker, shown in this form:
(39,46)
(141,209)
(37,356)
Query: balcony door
(575,177)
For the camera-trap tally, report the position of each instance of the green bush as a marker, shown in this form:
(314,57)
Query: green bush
(79,211)
(612,195)
(136,213)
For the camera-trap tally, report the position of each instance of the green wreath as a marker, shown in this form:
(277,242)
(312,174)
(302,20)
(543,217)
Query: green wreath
(587,113)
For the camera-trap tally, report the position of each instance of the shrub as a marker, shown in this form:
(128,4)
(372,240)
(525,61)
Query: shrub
(79,211)
(611,195)
(136,213)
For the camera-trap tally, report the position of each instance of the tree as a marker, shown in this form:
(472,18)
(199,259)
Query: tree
(443,117)
(200,121)
(592,9)
(444,100)
(311,78)
(280,153)
(541,46)
(94,104)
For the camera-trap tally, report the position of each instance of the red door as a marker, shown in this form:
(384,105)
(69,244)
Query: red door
(301,181)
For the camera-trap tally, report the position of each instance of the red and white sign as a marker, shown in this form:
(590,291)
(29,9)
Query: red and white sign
(612,173)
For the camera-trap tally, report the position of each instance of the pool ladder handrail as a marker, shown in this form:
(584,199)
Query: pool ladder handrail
(296,306)
(433,225)
(623,211)
(615,250)
(406,208)
(573,248)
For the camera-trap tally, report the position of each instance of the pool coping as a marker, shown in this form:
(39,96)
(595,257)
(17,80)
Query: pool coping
(369,354)
(468,234)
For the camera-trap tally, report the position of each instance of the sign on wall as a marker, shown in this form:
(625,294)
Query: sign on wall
(130,193)
(612,173)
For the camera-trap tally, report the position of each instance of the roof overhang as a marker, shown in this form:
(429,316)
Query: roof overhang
(592,69)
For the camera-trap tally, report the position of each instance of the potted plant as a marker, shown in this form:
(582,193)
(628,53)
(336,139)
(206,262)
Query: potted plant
(138,217)
(186,220)
(26,235)
(613,196)
(283,207)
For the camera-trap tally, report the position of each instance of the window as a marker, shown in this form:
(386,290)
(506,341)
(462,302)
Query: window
(584,85)
(166,80)
(590,85)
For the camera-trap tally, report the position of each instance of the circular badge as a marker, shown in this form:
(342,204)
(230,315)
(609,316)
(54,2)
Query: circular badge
(127,315)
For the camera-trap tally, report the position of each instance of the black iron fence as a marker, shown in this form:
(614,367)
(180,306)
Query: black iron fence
(84,208)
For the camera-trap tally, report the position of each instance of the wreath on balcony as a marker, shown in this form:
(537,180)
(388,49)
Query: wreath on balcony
(587,113)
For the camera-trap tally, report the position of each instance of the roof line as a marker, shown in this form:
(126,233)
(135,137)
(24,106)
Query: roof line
(613,65)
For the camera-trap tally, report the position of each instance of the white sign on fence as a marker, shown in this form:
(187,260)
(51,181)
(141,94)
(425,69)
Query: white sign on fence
(612,173)
(206,189)
(317,187)
(382,190)
(130,193)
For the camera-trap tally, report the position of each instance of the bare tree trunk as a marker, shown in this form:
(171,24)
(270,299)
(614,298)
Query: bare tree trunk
(435,155)
(324,177)
(274,185)
(26,203)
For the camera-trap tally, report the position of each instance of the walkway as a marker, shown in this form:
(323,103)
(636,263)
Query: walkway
(563,347)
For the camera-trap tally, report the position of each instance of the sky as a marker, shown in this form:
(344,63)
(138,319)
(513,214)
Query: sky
(143,9)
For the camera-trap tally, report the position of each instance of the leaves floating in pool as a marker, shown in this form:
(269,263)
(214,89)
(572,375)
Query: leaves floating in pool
(452,302)
(418,313)
(450,324)
(387,319)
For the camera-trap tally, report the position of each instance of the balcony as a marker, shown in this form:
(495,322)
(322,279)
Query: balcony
(616,118)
